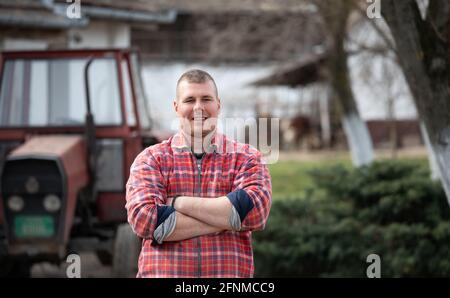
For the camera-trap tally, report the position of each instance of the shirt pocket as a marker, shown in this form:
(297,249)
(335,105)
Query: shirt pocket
(219,186)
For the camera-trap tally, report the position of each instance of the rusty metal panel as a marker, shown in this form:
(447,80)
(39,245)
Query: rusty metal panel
(111,207)
(110,165)
(46,146)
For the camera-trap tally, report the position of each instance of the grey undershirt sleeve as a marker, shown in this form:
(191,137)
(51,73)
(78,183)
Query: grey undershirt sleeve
(235,220)
(166,228)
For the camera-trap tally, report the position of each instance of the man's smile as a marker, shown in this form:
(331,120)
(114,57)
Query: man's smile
(199,118)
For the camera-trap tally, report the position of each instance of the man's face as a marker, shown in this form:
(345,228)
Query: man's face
(198,107)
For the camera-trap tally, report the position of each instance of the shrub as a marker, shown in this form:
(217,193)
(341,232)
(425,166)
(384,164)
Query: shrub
(389,208)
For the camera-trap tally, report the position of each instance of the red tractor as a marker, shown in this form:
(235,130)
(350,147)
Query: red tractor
(71,124)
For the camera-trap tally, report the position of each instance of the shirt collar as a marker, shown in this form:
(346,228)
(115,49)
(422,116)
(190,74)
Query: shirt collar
(180,143)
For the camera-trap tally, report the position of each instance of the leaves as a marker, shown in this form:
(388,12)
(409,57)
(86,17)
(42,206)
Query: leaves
(389,208)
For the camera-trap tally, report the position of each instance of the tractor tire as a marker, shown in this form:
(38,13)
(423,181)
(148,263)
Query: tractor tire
(127,247)
(13,267)
(105,257)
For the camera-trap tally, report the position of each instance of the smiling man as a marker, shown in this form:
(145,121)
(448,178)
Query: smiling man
(196,198)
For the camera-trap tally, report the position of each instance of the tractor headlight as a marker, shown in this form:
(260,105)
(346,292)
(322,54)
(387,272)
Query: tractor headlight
(52,203)
(16,203)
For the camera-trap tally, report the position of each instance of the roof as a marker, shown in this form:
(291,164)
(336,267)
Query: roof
(299,73)
(202,6)
(64,53)
(53,14)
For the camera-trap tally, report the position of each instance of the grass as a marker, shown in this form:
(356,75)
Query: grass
(290,178)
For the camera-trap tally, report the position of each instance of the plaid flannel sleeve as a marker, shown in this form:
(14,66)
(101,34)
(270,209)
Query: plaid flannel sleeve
(252,194)
(146,196)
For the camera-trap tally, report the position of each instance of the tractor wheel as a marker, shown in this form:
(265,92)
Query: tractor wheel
(13,267)
(127,247)
(6,266)
(105,257)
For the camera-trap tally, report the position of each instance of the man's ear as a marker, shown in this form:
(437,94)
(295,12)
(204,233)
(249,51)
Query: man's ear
(175,105)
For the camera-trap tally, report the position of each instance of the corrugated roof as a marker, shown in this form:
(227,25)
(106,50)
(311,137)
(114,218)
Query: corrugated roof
(38,18)
(299,73)
(52,14)
(193,6)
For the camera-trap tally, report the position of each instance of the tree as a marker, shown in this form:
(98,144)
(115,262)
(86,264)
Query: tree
(335,16)
(422,47)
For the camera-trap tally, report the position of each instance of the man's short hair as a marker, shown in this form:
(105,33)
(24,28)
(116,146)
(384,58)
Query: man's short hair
(196,76)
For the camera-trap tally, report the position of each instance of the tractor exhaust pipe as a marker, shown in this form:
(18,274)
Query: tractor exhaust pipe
(90,125)
(89,194)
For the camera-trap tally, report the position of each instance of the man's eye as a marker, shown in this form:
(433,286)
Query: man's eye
(188,100)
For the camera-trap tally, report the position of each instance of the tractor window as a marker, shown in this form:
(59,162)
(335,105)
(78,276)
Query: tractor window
(52,92)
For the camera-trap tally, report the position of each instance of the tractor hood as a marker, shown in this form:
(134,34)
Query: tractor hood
(43,166)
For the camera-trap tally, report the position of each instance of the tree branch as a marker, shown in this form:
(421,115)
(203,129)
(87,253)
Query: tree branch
(383,34)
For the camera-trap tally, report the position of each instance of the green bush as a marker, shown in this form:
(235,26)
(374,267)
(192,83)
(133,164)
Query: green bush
(389,208)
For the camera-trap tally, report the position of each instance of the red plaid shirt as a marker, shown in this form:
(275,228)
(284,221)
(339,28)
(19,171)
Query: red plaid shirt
(168,169)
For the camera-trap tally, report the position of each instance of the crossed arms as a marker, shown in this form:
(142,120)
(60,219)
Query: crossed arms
(148,203)
(200,216)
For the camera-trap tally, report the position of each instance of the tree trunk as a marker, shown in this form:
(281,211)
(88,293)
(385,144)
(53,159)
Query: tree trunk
(358,139)
(393,134)
(434,168)
(325,124)
(424,55)
(336,15)
(355,128)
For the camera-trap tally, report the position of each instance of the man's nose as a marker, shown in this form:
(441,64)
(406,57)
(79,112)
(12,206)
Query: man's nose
(198,106)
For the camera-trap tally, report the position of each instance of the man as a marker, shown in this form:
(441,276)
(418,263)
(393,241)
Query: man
(196,198)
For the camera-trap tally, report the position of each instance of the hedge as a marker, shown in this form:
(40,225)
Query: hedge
(388,208)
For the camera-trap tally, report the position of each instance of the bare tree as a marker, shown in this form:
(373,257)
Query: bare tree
(422,45)
(383,46)
(335,16)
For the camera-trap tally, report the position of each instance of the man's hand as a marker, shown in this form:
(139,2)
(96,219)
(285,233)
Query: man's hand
(169,201)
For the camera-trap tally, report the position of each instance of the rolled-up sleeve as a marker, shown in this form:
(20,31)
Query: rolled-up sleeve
(252,193)
(146,196)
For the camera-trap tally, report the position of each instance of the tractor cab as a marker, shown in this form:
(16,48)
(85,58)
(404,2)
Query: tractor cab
(71,124)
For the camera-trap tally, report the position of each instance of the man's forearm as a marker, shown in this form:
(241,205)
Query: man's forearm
(187,227)
(213,211)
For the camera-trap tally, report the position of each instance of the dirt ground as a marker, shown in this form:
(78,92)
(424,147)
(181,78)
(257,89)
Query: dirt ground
(90,268)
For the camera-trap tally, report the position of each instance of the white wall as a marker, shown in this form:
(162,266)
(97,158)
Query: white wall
(10,44)
(100,34)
